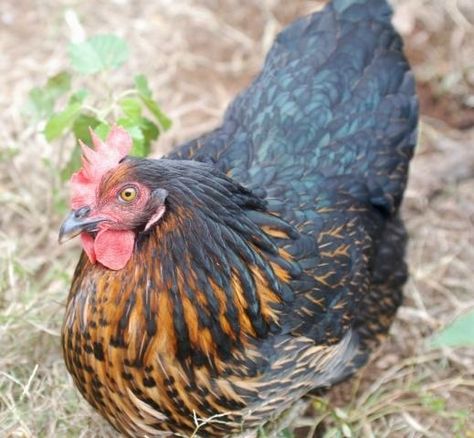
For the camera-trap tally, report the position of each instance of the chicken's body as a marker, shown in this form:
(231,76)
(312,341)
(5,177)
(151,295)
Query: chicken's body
(242,300)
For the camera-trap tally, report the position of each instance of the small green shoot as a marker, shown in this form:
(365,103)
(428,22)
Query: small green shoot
(69,104)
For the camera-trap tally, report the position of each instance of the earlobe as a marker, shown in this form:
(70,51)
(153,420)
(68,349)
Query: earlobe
(159,196)
(156,217)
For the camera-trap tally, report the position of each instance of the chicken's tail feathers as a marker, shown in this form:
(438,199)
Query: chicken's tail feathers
(345,359)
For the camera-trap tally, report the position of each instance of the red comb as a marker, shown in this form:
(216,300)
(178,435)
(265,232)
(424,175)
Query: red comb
(95,163)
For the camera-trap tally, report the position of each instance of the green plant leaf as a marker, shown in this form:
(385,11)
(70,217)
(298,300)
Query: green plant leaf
(39,104)
(458,334)
(59,122)
(41,100)
(131,107)
(58,84)
(140,148)
(102,130)
(161,118)
(81,127)
(141,85)
(79,96)
(150,132)
(98,53)
(149,129)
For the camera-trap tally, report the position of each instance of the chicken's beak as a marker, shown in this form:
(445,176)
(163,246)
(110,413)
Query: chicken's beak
(76,222)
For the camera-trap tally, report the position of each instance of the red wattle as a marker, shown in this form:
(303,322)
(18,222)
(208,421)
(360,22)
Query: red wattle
(113,248)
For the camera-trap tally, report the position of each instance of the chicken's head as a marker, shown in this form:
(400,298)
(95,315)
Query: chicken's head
(109,204)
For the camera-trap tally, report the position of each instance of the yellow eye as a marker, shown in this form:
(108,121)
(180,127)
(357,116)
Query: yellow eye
(128,194)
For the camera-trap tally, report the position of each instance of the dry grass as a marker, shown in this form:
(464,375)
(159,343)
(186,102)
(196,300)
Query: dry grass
(198,54)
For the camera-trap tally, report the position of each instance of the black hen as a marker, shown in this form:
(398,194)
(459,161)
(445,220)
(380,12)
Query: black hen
(260,261)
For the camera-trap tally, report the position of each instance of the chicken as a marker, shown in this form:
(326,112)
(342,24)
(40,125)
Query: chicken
(259,262)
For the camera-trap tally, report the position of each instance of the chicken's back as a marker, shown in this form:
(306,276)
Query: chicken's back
(335,97)
(325,134)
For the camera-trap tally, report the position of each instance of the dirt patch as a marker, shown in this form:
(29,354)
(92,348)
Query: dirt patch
(448,109)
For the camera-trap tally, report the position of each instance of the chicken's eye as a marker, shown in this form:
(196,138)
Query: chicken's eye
(128,194)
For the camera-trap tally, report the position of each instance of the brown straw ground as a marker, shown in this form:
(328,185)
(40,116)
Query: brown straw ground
(198,54)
